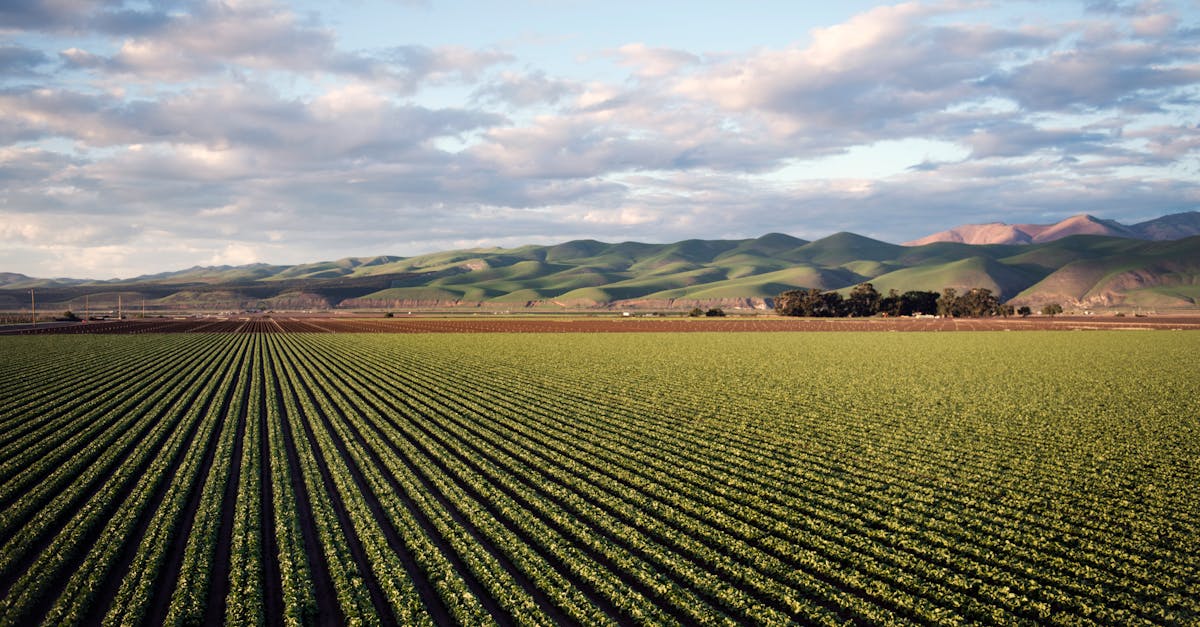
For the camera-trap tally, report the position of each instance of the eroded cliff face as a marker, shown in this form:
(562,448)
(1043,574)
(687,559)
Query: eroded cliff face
(295,300)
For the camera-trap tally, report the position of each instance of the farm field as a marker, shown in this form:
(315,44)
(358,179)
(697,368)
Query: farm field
(595,324)
(599,478)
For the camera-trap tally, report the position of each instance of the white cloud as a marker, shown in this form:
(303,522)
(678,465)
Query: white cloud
(186,133)
(235,255)
(652,62)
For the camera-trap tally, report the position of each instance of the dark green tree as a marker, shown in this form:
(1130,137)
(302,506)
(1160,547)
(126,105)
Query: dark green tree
(863,301)
(696,312)
(916,302)
(811,302)
(1024,311)
(788,303)
(948,306)
(978,302)
(890,305)
(1051,309)
(825,304)
(715,312)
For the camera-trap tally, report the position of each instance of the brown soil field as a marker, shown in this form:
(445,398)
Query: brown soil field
(566,324)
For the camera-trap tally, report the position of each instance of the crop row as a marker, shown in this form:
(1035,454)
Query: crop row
(267,478)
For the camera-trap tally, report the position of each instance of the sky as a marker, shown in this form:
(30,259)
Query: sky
(148,136)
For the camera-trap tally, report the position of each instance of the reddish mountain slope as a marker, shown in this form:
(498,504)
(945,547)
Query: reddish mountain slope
(1001,233)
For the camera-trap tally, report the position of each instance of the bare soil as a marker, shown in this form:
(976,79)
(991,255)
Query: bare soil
(583,324)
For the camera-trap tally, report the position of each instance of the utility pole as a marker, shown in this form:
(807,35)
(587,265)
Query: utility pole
(143,309)
(33,306)
(119,316)
(85,308)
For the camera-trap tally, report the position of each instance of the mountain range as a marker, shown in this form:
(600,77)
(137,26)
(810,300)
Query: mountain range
(1174,226)
(1143,266)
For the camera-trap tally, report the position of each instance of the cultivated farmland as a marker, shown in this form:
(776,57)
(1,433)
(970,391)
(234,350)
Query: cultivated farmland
(990,477)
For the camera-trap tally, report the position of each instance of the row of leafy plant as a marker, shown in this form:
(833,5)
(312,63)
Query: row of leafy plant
(590,479)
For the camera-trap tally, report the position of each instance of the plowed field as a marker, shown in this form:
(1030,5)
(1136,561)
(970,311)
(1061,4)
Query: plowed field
(566,324)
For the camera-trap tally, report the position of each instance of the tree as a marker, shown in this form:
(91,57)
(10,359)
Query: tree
(1052,309)
(715,312)
(1005,310)
(890,305)
(811,302)
(70,316)
(696,312)
(825,304)
(978,302)
(916,302)
(863,301)
(788,303)
(948,303)
(1024,311)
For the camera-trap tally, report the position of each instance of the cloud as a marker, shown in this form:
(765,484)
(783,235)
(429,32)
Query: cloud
(236,255)
(1126,75)
(882,74)
(212,38)
(203,132)
(525,89)
(107,16)
(20,61)
(217,35)
(651,62)
(354,121)
(1013,139)
(445,61)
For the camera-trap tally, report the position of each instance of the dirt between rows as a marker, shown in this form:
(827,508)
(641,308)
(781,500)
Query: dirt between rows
(417,324)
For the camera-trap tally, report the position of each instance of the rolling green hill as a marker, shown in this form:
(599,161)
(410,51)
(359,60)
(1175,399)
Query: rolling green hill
(1082,271)
(963,274)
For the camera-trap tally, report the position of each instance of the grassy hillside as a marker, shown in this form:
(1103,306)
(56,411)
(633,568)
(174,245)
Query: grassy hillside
(1110,272)
(1083,271)
(1003,280)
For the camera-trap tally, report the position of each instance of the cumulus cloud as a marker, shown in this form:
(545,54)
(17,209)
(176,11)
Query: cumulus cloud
(876,74)
(229,132)
(525,89)
(352,121)
(20,61)
(1129,75)
(236,255)
(213,37)
(652,62)
(1013,139)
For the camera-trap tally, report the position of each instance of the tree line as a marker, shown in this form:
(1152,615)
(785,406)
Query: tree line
(864,300)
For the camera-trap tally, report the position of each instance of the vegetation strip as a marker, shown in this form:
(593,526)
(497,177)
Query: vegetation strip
(258,477)
(325,608)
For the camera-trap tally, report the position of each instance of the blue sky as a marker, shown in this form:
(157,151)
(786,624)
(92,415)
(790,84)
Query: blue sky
(138,137)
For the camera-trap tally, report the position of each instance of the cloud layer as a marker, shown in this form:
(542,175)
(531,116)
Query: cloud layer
(140,137)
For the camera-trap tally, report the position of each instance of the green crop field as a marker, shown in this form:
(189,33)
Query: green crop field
(813,478)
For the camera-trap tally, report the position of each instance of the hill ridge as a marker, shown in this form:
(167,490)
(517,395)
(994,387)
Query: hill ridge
(1078,270)
(1168,227)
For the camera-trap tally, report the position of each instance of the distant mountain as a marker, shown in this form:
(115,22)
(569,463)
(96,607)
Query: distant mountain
(1170,227)
(1175,226)
(12,278)
(1090,269)
(1107,273)
(1078,271)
